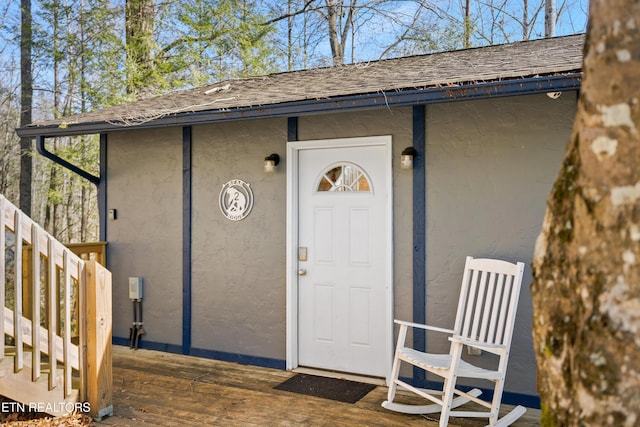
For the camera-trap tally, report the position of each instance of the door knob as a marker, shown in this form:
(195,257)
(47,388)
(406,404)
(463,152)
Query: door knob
(302,272)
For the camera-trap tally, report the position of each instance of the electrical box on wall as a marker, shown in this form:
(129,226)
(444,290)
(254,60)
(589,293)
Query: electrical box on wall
(135,288)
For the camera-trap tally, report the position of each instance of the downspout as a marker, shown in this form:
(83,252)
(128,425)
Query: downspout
(42,149)
(98,181)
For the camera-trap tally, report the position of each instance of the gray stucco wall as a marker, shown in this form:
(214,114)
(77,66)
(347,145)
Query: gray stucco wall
(145,186)
(238,269)
(490,167)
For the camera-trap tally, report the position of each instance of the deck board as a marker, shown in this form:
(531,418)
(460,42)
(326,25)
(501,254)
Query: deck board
(160,389)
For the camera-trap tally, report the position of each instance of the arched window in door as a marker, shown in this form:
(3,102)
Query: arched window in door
(342,177)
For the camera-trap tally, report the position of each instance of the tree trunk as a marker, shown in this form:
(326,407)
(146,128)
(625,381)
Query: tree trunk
(586,288)
(467,24)
(139,25)
(550,16)
(26,103)
(525,19)
(333,14)
(52,198)
(290,21)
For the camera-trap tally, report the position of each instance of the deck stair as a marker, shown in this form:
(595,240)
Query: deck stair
(55,322)
(35,395)
(47,392)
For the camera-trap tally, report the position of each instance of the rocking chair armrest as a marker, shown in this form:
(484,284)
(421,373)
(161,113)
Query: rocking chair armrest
(421,326)
(474,343)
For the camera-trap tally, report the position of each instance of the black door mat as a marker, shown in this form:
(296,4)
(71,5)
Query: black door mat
(328,388)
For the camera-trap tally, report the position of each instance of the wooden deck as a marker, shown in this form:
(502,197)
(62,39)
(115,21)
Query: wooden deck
(160,389)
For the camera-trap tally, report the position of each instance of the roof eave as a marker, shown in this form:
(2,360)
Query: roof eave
(493,89)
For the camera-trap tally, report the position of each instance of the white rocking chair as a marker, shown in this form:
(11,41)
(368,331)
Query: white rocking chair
(485,319)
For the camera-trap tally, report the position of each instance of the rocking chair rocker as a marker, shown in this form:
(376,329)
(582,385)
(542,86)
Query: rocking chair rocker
(484,320)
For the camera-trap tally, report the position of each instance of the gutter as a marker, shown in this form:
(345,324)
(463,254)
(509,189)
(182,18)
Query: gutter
(42,149)
(433,95)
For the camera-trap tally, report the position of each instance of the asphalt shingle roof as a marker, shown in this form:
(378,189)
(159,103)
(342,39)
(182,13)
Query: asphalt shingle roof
(456,68)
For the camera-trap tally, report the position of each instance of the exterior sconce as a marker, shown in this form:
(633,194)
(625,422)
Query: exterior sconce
(270,163)
(406,160)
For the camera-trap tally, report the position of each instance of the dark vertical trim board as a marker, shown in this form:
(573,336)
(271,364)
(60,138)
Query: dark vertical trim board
(186,239)
(419,236)
(292,129)
(102,190)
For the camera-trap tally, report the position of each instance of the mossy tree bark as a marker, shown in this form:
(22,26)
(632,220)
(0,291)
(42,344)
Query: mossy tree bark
(586,288)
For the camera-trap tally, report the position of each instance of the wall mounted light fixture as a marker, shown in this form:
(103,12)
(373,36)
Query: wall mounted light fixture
(270,163)
(406,160)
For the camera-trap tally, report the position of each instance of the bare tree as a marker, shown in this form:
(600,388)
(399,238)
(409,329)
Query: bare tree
(550,18)
(339,22)
(9,142)
(586,287)
(501,21)
(26,105)
(9,117)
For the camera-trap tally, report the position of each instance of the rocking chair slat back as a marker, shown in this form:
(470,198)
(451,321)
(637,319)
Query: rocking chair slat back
(495,311)
(488,301)
(485,330)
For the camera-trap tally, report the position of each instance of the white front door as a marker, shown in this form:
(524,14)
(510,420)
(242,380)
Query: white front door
(343,257)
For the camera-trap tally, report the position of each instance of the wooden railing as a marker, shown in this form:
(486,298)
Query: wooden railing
(96,251)
(48,295)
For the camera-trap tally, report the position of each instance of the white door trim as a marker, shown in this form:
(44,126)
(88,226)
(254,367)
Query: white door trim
(293,147)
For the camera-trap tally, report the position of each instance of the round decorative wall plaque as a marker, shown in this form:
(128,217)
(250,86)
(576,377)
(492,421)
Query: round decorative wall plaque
(236,200)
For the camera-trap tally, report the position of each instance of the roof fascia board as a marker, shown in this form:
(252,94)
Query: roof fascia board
(494,89)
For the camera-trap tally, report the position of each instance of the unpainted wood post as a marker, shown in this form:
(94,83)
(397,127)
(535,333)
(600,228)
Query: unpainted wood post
(27,297)
(92,250)
(35,303)
(97,335)
(18,361)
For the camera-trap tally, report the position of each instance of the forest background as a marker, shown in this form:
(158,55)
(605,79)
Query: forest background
(62,57)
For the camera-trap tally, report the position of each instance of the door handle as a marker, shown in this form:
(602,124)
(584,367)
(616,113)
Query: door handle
(302,272)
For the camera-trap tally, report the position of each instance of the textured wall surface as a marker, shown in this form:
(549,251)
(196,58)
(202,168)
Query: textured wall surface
(145,186)
(490,167)
(238,273)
